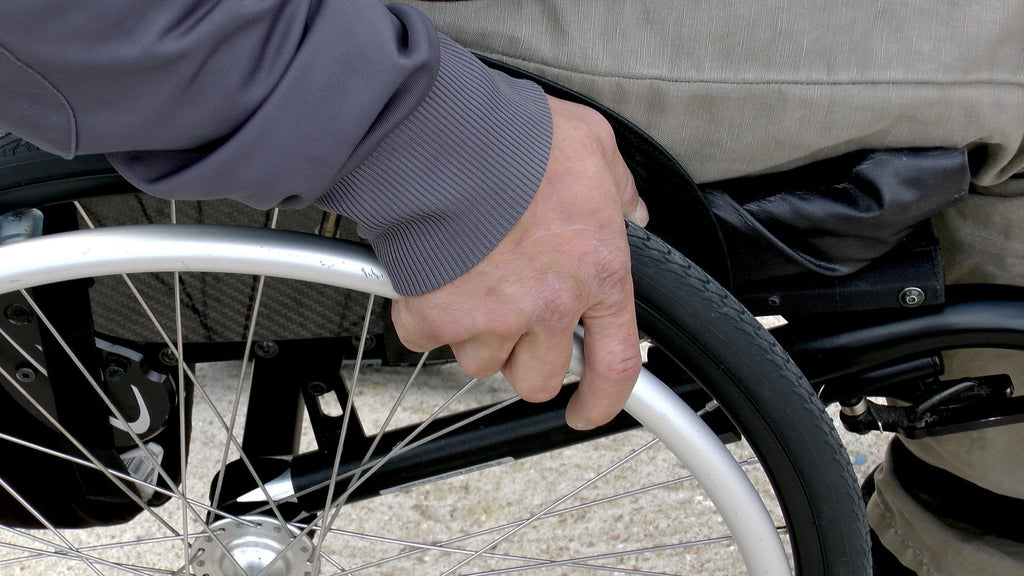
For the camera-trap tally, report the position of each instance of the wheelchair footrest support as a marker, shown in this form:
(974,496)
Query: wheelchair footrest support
(971,406)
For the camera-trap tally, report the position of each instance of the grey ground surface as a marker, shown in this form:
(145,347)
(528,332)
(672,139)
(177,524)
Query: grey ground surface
(550,476)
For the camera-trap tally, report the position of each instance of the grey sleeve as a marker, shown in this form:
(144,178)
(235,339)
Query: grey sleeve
(360,108)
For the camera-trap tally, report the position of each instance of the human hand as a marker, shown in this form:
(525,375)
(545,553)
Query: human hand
(566,260)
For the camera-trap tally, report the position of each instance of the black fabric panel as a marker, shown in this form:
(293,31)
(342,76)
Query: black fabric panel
(834,216)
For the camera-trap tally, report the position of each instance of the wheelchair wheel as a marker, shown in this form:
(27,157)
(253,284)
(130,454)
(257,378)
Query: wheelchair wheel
(431,475)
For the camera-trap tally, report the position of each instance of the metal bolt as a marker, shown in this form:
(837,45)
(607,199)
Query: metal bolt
(855,408)
(25,373)
(116,369)
(18,314)
(266,348)
(20,224)
(774,300)
(371,341)
(911,297)
(317,388)
(168,357)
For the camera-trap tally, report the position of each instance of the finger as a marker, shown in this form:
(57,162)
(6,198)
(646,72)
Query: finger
(422,324)
(411,333)
(611,364)
(621,178)
(633,207)
(640,215)
(483,356)
(536,369)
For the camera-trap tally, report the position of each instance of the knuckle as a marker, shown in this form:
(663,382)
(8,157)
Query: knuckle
(594,127)
(606,133)
(477,367)
(623,364)
(598,124)
(536,391)
(477,371)
(610,269)
(560,308)
(507,326)
(406,330)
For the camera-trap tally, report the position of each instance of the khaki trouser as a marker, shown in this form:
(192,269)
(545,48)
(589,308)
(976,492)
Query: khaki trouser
(739,88)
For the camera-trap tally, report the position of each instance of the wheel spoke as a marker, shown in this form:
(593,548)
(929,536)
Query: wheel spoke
(407,444)
(21,352)
(330,508)
(156,488)
(376,439)
(46,523)
(526,562)
(520,526)
(535,563)
(587,561)
(510,527)
(237,401)
(65,552)
(379,463)
(371,467)
(391,414)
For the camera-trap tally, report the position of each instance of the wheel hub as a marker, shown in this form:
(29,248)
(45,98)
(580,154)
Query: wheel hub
(259,547)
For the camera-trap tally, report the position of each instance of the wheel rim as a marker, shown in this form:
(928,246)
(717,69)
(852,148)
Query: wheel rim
(306,258)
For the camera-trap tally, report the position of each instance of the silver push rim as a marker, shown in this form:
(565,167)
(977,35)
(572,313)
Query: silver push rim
(206,248)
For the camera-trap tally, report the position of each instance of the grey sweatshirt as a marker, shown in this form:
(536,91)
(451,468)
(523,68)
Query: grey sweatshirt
(360,108)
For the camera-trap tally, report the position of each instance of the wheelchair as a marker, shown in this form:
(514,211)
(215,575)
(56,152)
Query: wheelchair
(333,450)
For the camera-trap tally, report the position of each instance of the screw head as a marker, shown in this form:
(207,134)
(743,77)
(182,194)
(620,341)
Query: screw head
(266,348)
(18,314)
(371,342)
(317,388)
(116,368)
(911,297)
(167,357)
(114,374)
(25,374)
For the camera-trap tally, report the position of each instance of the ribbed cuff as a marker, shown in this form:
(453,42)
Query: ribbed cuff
(445,186)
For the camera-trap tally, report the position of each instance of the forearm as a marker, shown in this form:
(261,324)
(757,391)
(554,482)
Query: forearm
(450,181)
(334,102)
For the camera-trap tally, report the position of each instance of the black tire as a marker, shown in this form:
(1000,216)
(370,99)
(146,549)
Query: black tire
(694,319)
(694,322)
